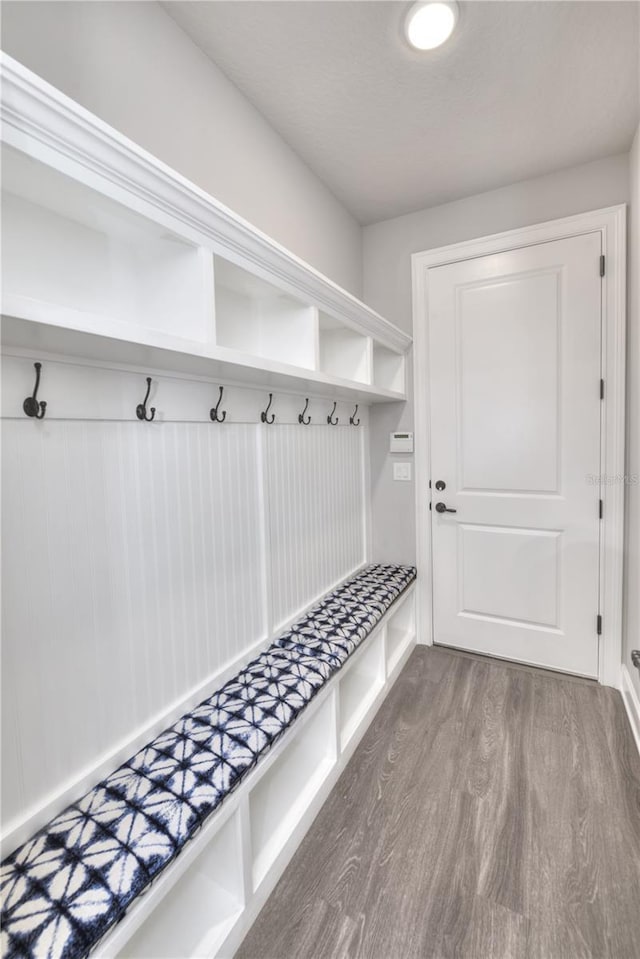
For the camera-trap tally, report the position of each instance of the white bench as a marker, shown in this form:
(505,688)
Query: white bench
(71,888)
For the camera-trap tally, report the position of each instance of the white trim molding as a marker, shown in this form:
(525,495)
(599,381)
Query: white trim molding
(631,703)
(611,224)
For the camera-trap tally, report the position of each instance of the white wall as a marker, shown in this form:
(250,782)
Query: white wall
(632,572)
(142,560)
(135,68)
(387,288)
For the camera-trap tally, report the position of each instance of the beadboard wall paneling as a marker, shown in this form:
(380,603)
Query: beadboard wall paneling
(140,560)
(316,528)
(133,571)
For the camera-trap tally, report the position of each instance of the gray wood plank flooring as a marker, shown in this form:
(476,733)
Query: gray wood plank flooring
(490,812)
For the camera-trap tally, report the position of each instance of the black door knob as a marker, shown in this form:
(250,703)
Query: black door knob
(443,508)
(440,485)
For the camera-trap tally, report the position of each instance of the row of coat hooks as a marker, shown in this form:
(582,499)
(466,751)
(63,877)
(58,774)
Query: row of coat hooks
(37,408)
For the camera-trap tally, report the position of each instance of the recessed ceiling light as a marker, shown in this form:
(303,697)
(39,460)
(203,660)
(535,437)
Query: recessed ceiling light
(429,24)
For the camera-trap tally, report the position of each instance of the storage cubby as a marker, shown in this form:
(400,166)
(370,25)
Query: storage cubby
(209,893)
(283,794)
(254,317)
(401,629)
(388,369)
(73,257)
(344,352)
(359,687)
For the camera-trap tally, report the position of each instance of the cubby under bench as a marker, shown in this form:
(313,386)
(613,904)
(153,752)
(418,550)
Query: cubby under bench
(175,853)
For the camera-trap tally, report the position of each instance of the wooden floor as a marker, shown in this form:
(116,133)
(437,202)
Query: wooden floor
(490,811)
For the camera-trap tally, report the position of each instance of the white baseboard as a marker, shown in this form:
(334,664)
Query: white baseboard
(631,703)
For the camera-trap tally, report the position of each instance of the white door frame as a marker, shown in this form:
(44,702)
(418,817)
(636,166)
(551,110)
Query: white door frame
(611,224)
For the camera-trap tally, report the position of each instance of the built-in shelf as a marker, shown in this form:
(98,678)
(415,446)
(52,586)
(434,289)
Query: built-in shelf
(155,351)
(401,630)
(388,369)
(73,257)
(110,256)
(210,893)
(285,791)
(257,318)
(360,686)
(344,352)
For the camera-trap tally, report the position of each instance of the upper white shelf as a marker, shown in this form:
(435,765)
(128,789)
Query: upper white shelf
(110,255)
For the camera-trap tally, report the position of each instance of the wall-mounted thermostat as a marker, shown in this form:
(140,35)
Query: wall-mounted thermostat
(401,443)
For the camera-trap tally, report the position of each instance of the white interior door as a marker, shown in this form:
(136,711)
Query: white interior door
(515,372)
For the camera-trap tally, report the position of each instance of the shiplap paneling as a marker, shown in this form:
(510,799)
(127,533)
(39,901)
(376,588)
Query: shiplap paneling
(140,560)
(315,512)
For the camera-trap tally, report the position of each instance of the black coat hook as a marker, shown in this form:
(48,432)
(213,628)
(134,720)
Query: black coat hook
(301,418)
(353,420)
(141,409)
(213,412)
(31,406)
(330,419)
(263,416)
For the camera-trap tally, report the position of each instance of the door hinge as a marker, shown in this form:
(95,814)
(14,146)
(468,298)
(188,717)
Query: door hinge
(601,389)
(601,508)
(599,627)
(602,265)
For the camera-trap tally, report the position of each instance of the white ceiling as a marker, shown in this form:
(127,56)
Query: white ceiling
(522,88)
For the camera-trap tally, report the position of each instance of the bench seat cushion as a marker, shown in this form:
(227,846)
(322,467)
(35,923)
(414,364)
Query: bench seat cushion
(64,888)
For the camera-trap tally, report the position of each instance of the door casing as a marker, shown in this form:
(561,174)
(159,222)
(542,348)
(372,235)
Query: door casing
(611,224)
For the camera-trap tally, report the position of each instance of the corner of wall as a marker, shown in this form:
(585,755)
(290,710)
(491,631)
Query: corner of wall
(631,612)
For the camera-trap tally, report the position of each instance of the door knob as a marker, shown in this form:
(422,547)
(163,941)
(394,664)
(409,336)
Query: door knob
(443,508)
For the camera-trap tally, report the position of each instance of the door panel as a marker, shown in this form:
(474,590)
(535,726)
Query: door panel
(514,373)
(507,346)
(498,567)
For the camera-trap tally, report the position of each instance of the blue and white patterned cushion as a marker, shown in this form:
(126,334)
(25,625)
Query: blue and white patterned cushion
(68,885)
